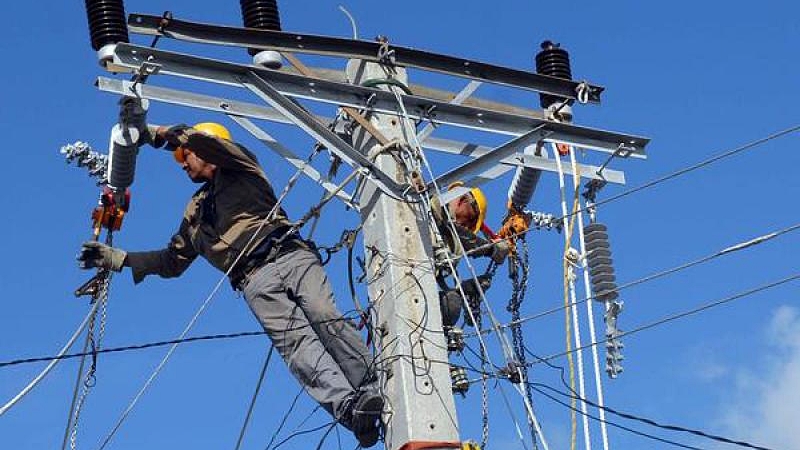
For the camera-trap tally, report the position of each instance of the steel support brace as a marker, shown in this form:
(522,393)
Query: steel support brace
(365,50)
(294,160)
(131,57)
(243,109)
(320,132)
(483,162)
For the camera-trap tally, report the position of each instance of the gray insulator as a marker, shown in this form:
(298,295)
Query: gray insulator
(524,183)
(122,151)
(598,259)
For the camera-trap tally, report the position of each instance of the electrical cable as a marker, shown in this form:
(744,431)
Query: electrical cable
(725,251)
(680,172)
(680,315)
(616,425)
(603,408)
(53,361)
(255,396)
(652,422)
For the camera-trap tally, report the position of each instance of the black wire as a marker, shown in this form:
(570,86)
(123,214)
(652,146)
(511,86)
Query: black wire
(675,174)
(680,315)
(654,423)
(210,337)
(616,425)
(575,395)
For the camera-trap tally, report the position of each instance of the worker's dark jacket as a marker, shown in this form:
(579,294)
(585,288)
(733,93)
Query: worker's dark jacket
(472,243)
(221,217)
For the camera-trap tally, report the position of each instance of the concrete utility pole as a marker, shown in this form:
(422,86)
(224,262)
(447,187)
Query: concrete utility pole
(411,347)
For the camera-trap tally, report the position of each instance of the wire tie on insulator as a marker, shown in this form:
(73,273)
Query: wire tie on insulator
(582,91)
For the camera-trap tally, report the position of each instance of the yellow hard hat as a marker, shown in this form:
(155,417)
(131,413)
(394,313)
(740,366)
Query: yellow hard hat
(480,201)
(213,129)
(209,128)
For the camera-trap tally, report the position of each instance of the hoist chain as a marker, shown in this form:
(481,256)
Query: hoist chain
(484,411)
(519,269)
(95,343)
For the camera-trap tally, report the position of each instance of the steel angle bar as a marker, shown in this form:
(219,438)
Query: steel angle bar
(190,99)
(294,160)
(320,132)
(237,111)
(491,158)
(459,99)
(419,108)
(367,50)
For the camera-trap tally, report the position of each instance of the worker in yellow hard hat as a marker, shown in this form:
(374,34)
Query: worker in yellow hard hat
(234,221)
(468,213)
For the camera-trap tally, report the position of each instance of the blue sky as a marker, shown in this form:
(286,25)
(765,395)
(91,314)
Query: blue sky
(696,78)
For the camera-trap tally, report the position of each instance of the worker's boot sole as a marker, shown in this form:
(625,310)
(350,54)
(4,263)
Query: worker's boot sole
(366,414)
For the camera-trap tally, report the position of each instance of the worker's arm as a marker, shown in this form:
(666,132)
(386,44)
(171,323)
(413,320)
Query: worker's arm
(168,262)
(214,150)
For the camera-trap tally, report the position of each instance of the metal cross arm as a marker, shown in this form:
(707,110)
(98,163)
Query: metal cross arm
(236,110)
(419,108)
(491,158)
(358,49)
(320,132)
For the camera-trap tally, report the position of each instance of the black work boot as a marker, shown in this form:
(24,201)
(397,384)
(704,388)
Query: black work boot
(366,416)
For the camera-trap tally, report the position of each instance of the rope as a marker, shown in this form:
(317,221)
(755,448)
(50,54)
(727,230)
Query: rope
(568,287)
(590,314)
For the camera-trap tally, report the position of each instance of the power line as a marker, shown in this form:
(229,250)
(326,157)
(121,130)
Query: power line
(573,394)
(680,315)
(652,422)
(677,173)
(701,164)
(614,424)
(209,337)
(726,251)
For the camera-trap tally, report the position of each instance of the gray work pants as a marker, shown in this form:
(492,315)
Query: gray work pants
(292,299)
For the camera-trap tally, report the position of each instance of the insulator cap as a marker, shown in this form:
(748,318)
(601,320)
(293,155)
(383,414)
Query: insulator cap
(553,61)
(106,19)
(261,14)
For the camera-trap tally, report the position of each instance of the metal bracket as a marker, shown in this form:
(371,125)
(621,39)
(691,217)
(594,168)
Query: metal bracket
(318,131)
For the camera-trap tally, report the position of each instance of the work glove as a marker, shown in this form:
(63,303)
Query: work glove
(96,254)
(172,135)
(500,252)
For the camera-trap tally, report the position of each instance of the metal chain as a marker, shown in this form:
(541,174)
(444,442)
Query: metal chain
(90,379)
(485,411)
(519,284)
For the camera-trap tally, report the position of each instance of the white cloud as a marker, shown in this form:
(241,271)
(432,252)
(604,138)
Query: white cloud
(765,409)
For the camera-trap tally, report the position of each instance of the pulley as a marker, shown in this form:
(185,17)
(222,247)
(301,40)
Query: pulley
(460,381)
(455,339)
